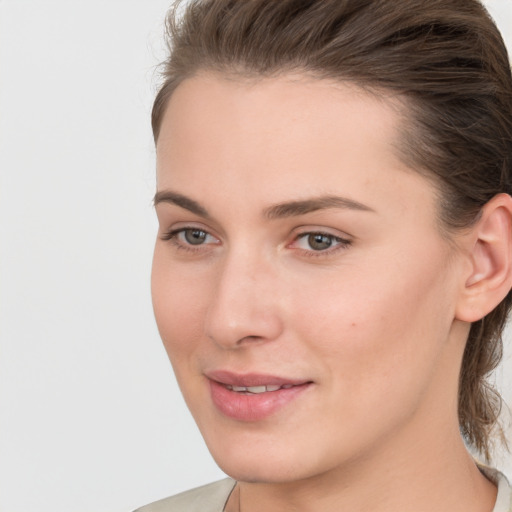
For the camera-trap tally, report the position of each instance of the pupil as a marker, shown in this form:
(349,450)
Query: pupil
(195,236)
(319,242)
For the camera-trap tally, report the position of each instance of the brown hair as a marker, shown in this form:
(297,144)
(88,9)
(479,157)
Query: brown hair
(444,58)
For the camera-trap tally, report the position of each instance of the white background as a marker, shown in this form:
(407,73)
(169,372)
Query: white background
(90,416)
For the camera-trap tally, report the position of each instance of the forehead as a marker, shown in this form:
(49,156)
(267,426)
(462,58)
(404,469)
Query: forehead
(284,136)
(264,110)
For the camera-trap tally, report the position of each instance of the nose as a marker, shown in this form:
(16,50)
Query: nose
(245,305)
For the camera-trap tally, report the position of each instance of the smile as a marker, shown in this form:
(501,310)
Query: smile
(256,390)
(253,397)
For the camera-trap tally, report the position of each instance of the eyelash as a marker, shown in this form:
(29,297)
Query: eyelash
(172,236)
(340,243)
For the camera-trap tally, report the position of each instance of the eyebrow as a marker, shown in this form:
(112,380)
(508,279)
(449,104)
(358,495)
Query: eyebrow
(277,211)
(295,208)
(167,196)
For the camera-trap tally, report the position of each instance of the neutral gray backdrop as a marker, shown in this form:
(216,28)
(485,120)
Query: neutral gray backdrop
(90,416)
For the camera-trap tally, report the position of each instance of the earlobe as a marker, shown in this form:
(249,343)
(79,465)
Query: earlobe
(490,255)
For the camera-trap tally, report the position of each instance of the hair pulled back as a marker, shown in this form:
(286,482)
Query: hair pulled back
(444,58)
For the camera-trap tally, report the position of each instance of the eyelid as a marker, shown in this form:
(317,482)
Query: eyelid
(172,235)
(324,230)
(174,232)
(343,240)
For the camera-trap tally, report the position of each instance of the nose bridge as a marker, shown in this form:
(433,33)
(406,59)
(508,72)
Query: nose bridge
(245,304)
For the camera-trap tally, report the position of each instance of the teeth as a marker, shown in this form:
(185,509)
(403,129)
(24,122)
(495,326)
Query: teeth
(258,389)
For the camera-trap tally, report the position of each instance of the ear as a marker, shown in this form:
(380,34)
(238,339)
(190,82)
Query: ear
(489,275)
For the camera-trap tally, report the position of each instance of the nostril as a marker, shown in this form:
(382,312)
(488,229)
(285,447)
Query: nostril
(229,342)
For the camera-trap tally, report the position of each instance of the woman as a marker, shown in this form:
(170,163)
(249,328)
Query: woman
(334,260)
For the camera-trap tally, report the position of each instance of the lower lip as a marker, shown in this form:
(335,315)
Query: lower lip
(255,406)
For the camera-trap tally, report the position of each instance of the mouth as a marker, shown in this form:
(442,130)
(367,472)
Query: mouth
(253,397)
(256,390)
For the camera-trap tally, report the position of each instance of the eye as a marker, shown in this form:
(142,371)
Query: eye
(194,236)
(320,242)
(188,238)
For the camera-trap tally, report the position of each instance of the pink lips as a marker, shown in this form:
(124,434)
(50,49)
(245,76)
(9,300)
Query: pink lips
(264,396)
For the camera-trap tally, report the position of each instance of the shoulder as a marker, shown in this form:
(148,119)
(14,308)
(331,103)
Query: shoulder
(504,497)
(207,498)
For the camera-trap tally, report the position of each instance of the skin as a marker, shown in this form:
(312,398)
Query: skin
(373,322)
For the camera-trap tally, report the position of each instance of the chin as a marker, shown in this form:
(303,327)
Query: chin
(265,462)
(259,471)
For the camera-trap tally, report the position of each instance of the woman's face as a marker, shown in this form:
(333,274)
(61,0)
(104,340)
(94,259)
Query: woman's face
(301,286)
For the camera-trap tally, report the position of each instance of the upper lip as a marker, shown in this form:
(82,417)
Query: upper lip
(251,379)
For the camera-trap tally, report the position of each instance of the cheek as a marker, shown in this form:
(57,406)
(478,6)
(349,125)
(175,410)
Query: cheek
(179,303)
(379,331)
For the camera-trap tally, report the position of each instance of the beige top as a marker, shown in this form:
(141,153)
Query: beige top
(208,498)
(213,497)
